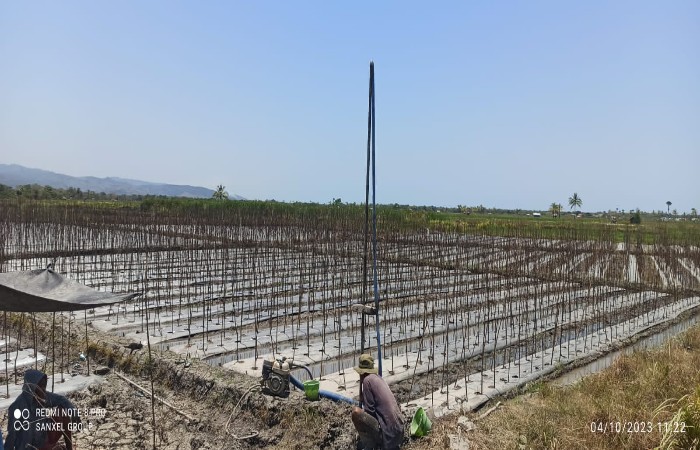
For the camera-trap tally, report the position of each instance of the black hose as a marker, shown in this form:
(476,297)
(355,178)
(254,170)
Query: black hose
(301,366)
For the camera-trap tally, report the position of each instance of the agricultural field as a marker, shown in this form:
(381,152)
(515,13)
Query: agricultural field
(465,313)
(470,308)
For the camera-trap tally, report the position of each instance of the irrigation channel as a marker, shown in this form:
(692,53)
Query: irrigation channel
(465,315)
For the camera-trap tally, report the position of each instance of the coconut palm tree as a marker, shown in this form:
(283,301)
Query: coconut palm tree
(555,209)
(220,193)
(668,206)
(575,201)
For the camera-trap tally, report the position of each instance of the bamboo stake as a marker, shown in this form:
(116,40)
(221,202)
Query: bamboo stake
(149,393)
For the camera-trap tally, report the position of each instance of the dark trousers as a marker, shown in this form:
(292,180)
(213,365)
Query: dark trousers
(368,429)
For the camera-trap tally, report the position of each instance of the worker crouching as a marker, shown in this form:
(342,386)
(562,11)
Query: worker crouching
(379,422)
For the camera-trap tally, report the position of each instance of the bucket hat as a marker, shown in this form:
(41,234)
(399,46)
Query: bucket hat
(366,364)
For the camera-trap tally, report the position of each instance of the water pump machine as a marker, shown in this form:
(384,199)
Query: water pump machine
(275,377)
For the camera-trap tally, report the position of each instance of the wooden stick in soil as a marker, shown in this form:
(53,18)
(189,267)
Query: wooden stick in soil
(36,345)
(488,411)
(150,370)
(87,343)
(147,392)
(19,344)
(7,340)
(60,367)
(53,350)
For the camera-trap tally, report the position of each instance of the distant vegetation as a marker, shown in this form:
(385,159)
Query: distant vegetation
(37,192)
(575,201)
(220,193)
(634,227)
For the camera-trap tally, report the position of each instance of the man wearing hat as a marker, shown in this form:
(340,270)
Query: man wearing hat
(379,422)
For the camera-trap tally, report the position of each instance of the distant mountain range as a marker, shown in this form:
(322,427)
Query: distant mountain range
(15,175)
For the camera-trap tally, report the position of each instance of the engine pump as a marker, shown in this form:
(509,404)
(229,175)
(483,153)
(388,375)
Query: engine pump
(275,377)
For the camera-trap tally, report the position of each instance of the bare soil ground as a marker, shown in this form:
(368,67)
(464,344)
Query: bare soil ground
(225,409)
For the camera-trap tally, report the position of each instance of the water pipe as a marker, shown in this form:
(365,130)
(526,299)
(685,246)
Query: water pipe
(324,394)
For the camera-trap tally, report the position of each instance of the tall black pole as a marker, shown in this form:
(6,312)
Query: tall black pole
(366,227)
(374,220)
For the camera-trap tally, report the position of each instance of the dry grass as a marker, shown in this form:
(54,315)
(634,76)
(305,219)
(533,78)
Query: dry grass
(656,387)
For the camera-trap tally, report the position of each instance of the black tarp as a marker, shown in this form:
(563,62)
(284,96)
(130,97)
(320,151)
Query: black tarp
(44,290)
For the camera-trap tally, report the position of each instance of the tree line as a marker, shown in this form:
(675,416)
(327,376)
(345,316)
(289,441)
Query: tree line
(38,192)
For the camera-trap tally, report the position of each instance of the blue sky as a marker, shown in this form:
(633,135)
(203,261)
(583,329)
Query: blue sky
(504,104)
